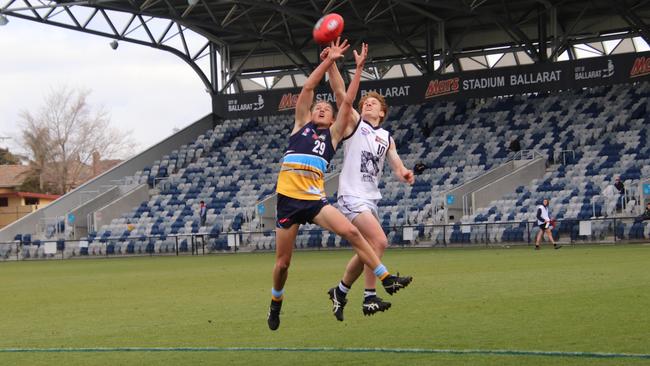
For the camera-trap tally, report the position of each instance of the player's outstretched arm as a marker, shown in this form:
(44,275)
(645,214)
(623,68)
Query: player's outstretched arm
(338,86)
(343,120)
(306,97)
(401,172)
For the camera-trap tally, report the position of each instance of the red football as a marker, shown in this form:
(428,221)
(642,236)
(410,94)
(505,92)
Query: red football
(328,28)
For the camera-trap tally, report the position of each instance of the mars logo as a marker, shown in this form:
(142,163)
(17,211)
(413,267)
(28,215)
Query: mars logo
(235,106)
(288,101)
(437,88)
(641,67)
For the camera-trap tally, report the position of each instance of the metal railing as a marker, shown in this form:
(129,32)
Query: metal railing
(613,230)
(563,155)
(527,155)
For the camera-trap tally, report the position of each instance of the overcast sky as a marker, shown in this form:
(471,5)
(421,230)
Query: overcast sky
(146,91)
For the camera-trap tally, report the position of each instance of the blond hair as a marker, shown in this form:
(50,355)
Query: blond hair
(380,98)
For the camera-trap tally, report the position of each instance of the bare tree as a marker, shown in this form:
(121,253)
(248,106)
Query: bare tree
(62,135)
(37,142)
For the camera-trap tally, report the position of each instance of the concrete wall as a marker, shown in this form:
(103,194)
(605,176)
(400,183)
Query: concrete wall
(69,201)
(455,210)
(533,169)
(127,202)
(81,212)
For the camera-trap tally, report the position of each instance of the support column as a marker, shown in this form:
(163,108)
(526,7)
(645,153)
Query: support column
(554,34)
(429,55)
(443,46)
(541,33)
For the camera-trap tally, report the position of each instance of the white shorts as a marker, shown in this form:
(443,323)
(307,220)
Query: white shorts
(351,206)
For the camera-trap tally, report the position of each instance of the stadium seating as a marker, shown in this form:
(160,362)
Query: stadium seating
(236,164)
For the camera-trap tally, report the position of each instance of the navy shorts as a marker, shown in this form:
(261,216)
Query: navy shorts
(293,211)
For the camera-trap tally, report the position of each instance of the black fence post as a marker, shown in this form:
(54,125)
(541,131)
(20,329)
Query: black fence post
(176,245)
(444,235)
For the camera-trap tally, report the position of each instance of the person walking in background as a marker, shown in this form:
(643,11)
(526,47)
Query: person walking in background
(544,223)
(203,212)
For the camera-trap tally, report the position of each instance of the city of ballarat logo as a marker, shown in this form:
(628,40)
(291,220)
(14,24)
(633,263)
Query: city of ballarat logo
(438,88)
(235,106)
(581,72)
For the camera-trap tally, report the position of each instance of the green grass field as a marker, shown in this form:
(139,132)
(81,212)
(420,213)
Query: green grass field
(577,299)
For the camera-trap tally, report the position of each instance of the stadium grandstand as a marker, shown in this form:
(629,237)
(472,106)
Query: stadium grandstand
(568,80)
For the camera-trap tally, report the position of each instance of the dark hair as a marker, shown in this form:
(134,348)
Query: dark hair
(202,201)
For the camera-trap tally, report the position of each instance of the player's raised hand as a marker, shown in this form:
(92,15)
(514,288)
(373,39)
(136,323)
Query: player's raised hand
(324,53)
(337,49)
(360,58)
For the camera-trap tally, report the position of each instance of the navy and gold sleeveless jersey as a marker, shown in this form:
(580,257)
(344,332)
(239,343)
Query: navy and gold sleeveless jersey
(305,163)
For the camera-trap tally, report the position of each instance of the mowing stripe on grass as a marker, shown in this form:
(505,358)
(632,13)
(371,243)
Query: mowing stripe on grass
(498,352)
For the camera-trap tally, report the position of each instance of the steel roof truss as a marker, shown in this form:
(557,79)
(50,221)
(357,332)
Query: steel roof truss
(108,20)
(90,18)
(36,14)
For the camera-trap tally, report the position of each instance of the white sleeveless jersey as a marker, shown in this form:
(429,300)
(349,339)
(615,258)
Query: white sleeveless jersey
(363,161)
(544,214)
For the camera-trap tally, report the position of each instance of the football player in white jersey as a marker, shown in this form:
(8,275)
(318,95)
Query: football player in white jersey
(545,224)
(366,146)
(301,188)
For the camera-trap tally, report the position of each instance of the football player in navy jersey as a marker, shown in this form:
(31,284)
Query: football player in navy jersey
(301,186)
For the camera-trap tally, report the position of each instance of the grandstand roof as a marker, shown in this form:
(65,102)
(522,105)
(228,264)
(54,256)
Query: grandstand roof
(277,34)
(272,38)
